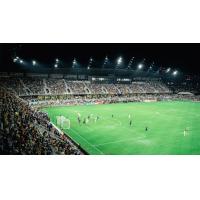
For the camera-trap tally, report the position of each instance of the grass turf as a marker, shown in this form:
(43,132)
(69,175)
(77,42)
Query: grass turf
(166,122)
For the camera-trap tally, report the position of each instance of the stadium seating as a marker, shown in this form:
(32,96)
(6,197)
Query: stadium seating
(31,86)
(25,130)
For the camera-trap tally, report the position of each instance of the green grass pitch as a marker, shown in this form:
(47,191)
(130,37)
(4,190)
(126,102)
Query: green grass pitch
(166,122)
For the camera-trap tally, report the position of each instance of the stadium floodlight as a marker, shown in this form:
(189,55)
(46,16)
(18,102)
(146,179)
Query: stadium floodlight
(16,59)
(21,61)
(168,70)
(105,61)
(151,66)
(91,59)
(56,65)
(175,73)
(57,60)
(119,60)
(88,67)
(130,62)
(34,62)
(74,61)
(140,66)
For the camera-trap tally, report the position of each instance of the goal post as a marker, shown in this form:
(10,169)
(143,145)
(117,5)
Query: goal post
(63,122)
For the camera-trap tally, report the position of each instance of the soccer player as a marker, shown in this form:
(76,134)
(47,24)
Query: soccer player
(146,128)
(112,115)
(185,131)
(79,120)
(84,121)
(130,123)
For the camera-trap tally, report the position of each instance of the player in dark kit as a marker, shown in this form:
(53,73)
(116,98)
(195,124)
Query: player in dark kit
(130,123)
(79,120)
(112,115)
(146,128)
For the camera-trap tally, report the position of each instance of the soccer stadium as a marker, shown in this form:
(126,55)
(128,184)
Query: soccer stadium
(91,100)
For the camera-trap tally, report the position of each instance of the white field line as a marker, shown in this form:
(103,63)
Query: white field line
(87,141)
(117,141)
(57,128)
(79,136)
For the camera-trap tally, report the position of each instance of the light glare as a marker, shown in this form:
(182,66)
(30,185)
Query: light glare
(140,66)
(119,61)
(175,73)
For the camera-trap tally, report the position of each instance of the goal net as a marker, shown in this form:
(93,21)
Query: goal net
(62,122)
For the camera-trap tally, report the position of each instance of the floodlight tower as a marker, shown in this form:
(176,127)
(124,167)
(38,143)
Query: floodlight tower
(175,72)
(90,63)
(151,66)
(140,66)
(74,63)
(16,59)
(168,70)
(105,61)
(119,61)
(57,61)
(33,62)
(130,62)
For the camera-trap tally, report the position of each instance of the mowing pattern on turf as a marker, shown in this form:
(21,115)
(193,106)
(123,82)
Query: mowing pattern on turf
(157,128)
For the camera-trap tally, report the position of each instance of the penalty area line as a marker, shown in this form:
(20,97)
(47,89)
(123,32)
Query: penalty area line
(93,146)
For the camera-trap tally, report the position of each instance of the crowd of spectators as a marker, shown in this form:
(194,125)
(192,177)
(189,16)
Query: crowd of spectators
(24,130)
(56,86)
(149,87)
(96,88)
(77,87)
(193,88)
(13,84)
(36,86)
(39,86)
(100,99)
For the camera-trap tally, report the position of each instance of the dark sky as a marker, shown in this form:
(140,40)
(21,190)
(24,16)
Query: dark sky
(182,56)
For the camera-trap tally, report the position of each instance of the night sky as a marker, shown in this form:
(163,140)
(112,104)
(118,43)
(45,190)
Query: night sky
(184,57)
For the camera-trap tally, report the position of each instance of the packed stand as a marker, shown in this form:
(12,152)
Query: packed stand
(36,86)
(13,84)
(56,86)
(77,87)
(24,130)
